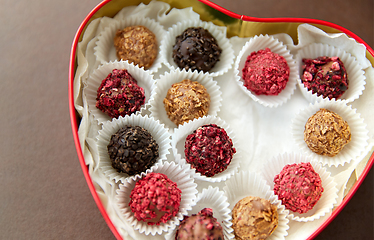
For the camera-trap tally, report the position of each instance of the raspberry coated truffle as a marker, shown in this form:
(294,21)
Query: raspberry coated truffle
(326,133)
(298,186)
(132,150)
(254,218)
(325,76)
(155,199)
(209,150)
(186,101)
(137,45)
(119,94)
(200,226)
(265,72)
(196,49)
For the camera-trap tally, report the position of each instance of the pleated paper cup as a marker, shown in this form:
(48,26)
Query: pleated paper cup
(244,184)
(215,199)
(355,73)
(262,42)
(144,80)
(359,133)
(159,133)
(178,145)
(105,50)
(227,56)
(325,204)
(165,82)
(175,173)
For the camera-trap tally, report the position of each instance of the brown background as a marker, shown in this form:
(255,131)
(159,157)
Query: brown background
(43,194)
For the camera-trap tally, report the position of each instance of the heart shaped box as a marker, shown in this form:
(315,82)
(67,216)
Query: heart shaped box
(250,26)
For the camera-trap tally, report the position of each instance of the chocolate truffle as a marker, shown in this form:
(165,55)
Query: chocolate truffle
(200,226)
(298,186)
(326,133)
(186,101)
(119,94)
(136,44)
(325,76)
(209,150)
(265,72)
(254,218)
(155,199)
(132,150)
(196,49)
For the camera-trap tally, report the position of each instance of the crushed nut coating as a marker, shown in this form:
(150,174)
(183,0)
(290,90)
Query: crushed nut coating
(326,133)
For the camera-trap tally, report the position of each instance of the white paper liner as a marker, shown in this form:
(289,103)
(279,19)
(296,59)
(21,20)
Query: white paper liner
(245,184)
(175,173)
(359,133)
(144,79)
(157,108)
(216,200)
(258,43)
(105,50)
(227,56)
(355,73)
(179,138)
(159,133)
(329,196)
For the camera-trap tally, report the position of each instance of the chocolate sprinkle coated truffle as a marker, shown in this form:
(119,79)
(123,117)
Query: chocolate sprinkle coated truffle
(196,49)
(298,186)
(136,44)
(325,76)
(132,150)
(209,150)
(326,133)
(119,94)
(200,226)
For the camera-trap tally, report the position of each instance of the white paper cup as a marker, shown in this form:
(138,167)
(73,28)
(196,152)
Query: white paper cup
(355,73)
(157,108)
(175,173)
(359,133)
(159,133)
(144,80)
(325,204)
(105,50)
(258,43)
(179,138)
(227,56)
(216,200)
(245,184)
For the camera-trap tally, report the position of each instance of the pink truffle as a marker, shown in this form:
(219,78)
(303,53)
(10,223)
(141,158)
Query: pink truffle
(265,72)
(155,199)
(298,186)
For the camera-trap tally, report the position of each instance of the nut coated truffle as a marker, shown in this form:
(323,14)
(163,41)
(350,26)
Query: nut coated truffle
(325,76)
(326,133)
(132,150)
(196,49)
(186,101)
(298,186)
(155,199)
(201,226)
(254,218)
(136,44)
(265,72)
(209,150)
(119,94)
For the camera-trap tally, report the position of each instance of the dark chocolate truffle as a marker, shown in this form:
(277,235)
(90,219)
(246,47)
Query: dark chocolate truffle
(209,150)
(325,76)
(196,49)
(132,150)
(119,94)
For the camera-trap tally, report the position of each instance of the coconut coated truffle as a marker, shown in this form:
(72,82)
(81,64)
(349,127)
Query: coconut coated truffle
(155,199)
(298,186)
